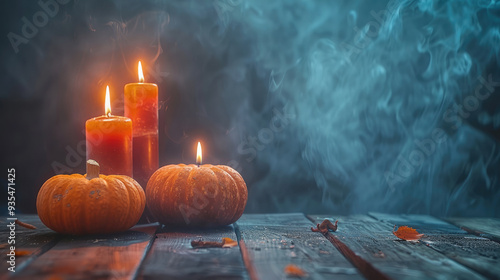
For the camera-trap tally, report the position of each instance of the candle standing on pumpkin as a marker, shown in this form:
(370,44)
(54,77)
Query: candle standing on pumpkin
(109,141)
(141,105)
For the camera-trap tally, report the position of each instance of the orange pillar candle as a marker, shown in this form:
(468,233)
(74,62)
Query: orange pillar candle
(141,105)
(109,142)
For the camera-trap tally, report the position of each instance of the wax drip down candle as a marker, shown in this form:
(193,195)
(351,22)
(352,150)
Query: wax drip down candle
(141,105)
(109,142)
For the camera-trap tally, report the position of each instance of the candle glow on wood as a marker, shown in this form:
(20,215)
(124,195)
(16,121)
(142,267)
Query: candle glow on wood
(198,155)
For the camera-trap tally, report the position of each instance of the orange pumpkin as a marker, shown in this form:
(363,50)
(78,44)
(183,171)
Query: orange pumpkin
(90,204)
(196,196)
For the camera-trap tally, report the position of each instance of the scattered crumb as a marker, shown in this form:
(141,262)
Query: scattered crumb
(379,254)
(294,271)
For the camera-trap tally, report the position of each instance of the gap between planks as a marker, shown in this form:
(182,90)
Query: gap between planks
(362,265)
(271,242)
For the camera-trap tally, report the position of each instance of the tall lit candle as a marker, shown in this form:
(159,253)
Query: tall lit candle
(141,105)
(109,142)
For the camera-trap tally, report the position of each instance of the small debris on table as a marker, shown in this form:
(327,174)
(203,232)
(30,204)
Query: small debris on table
(407,233)
(294,271)
(20,253)
(379,254)
(226,243)
(26,225)
(325,226)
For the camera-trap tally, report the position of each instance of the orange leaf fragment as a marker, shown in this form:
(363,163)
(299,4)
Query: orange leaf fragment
(228,242)
(26,225)
(20,253)
(294,271)
(225,243)
(407,233)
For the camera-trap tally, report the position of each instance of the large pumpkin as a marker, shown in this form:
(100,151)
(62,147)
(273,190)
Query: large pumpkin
(91,203)
(196,196)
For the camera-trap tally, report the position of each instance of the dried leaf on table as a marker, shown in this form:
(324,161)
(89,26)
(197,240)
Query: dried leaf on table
(20,253)
(407,233)
(26,225)
(226,243)
(325,226)
(295,271)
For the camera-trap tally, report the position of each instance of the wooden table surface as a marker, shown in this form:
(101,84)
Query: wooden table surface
(363,247)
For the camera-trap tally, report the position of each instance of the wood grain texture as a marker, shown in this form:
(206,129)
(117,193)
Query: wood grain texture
(477,253)
(275,240)
(114,256)
(374,242)
(30,242)
(485,227)
(172,257)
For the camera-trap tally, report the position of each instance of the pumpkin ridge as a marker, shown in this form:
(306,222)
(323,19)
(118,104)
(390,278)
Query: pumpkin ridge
(61,187)
(75,197)
(57,191)
(160,179)
(242,190)
(183,193)
(204,176)
(133,205)
(170,193)
(115,215)
(225,211)
(136,205)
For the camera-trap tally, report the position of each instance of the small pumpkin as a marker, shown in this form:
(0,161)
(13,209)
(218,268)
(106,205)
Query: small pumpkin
(196,195)
(90,204)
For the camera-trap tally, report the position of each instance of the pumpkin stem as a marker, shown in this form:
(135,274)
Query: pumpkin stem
(92,169)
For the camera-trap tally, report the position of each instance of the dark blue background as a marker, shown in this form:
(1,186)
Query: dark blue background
(323,106)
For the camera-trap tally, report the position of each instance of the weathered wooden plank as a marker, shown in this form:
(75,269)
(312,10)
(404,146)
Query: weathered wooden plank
(29,243)
(485,227)
(477,253)
(374,242)
(172,257)
(113,256)
(275,240)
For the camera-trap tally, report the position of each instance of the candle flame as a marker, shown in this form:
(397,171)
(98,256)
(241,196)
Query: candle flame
(107,103)
(198,154)
(141,75)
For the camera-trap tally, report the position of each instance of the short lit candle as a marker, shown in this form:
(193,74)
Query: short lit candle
(141,105)
(109,142)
